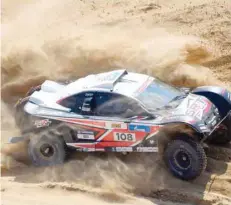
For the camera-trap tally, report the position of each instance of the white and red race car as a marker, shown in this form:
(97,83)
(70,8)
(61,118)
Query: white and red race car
(121,111)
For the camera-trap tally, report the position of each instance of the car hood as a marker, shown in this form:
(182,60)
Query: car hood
(195,106)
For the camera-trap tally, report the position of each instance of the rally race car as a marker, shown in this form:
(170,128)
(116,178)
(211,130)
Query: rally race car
(121,111)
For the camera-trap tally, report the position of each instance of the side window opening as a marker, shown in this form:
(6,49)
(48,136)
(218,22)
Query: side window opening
(103,104)
(82,103)
(115,105)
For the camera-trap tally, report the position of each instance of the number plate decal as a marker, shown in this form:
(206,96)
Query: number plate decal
(126,137)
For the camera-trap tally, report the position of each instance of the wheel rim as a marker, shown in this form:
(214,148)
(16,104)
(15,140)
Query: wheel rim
(47,150)
(182,159)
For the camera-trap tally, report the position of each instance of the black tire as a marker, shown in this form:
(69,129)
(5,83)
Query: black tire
(223,135)
(186,159)
(47,150)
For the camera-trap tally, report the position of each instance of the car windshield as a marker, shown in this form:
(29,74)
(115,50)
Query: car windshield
(158,94)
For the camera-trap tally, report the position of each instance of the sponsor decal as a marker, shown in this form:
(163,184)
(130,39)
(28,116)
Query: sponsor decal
(108,77)
(147,149)
(115,125)
(126,137)
(123,149)
(212,121)
(88,149)
(88,94)
(84,149)
(113,149)
(142,128)
(196,108)
(87,135)
(42,123)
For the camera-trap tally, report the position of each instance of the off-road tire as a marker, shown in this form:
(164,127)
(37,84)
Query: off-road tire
(194,154)
(56,146)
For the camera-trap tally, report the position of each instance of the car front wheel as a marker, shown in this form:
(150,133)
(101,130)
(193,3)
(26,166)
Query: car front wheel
(186,159)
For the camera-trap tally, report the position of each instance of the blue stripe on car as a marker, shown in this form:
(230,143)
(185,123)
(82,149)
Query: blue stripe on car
(144,128)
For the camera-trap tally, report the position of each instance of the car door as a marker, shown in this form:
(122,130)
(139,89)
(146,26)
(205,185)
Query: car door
(115,112)
(80,121)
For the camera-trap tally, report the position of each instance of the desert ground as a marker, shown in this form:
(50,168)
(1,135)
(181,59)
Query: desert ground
(183,42)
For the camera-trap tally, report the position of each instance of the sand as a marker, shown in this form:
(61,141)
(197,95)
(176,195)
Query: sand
(185,43)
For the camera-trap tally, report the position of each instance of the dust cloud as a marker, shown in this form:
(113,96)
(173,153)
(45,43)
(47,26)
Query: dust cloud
(33,49)
(158,53)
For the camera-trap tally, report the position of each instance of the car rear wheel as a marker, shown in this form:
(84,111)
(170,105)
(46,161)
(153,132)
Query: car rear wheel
(46,150)
(186,159)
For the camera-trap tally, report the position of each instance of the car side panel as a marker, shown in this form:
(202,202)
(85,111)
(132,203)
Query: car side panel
(114,136)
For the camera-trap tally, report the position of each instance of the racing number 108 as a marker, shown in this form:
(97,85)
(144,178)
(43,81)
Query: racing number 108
(124,136)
